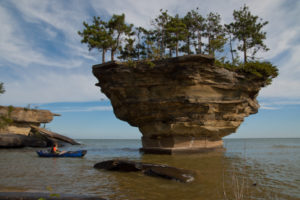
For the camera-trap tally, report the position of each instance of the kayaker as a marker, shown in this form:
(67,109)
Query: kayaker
(55,148)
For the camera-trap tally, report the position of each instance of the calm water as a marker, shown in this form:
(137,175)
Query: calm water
(255,168)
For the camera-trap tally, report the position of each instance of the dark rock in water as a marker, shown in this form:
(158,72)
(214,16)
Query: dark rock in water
(155,170)
(15,140)
(168,172)
(118,165)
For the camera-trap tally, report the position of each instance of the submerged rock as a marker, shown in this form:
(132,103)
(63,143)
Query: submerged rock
(182,104)
(156,170)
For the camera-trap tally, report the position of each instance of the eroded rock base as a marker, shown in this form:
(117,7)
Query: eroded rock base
(180,144)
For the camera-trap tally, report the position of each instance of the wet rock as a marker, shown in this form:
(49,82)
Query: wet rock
(163,171)
(168,172)
(16,140)
(118,165)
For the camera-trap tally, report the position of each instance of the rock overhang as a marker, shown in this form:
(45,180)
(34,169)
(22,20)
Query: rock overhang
(178,99)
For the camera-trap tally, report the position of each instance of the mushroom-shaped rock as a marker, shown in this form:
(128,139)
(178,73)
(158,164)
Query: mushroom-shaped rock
(182,104)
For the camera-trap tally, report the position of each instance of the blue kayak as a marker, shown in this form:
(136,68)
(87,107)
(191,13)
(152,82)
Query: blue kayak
(79,153)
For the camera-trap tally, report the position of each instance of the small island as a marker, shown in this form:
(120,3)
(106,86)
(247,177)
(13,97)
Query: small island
(174,83)
(181,104)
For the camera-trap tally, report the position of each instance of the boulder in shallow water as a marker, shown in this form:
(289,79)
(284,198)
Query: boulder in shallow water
(156,170)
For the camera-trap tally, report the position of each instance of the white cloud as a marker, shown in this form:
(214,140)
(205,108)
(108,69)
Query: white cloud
(47,87)
(58,19)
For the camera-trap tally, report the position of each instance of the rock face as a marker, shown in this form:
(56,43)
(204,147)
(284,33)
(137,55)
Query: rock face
(17,141)
(19,127)
(149,169)
(181,104)
(22,118)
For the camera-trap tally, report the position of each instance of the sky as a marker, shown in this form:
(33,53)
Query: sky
(44,65)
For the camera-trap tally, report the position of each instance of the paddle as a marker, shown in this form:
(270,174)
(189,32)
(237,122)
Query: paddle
(62,152)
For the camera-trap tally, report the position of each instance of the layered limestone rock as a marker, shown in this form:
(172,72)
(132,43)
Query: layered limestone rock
(19,120)
(19,127)
(179,104)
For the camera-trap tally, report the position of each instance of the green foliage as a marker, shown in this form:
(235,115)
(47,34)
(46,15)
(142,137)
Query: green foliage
(176,32)
(254,70)
(195,26)
(130,63)
(118,28)
(150,63)
(129,52)
(103,35)
(160,24)
(96,36)
(2,90)
(6,120)
(248,31)
(215,33)
(190,34)
(261,70)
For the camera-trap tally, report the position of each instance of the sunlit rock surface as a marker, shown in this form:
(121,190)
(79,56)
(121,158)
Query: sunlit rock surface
(22,118)
(180,104)
(20,127)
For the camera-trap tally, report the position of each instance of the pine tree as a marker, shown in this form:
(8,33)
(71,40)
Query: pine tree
(160,30)
(199,27)
(248,31)
(176,32)
(215,34)
(195,25)
(129,51)
(229,33)
(96,36)
(118,28)
(140,33)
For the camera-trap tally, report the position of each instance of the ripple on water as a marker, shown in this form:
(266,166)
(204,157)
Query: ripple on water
(274,170)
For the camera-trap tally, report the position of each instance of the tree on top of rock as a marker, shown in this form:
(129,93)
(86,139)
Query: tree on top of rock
(160,30)
(117,29)
(215,34)
(195,25)
(248,31)
(96,36)
(176,32)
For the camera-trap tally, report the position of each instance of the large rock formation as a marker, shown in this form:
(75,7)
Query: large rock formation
(19,127)
(181,104)
(19,120)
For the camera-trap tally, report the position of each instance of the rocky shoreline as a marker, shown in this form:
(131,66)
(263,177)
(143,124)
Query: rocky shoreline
(20,127)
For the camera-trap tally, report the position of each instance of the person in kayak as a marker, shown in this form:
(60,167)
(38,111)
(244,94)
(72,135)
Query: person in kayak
(55,149)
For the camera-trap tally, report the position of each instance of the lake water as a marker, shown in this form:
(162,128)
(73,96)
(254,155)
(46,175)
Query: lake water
(250,168)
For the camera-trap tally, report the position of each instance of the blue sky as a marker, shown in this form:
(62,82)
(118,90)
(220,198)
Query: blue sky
(43,63)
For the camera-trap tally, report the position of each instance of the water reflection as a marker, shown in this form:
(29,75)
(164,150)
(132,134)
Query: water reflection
(255,169)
